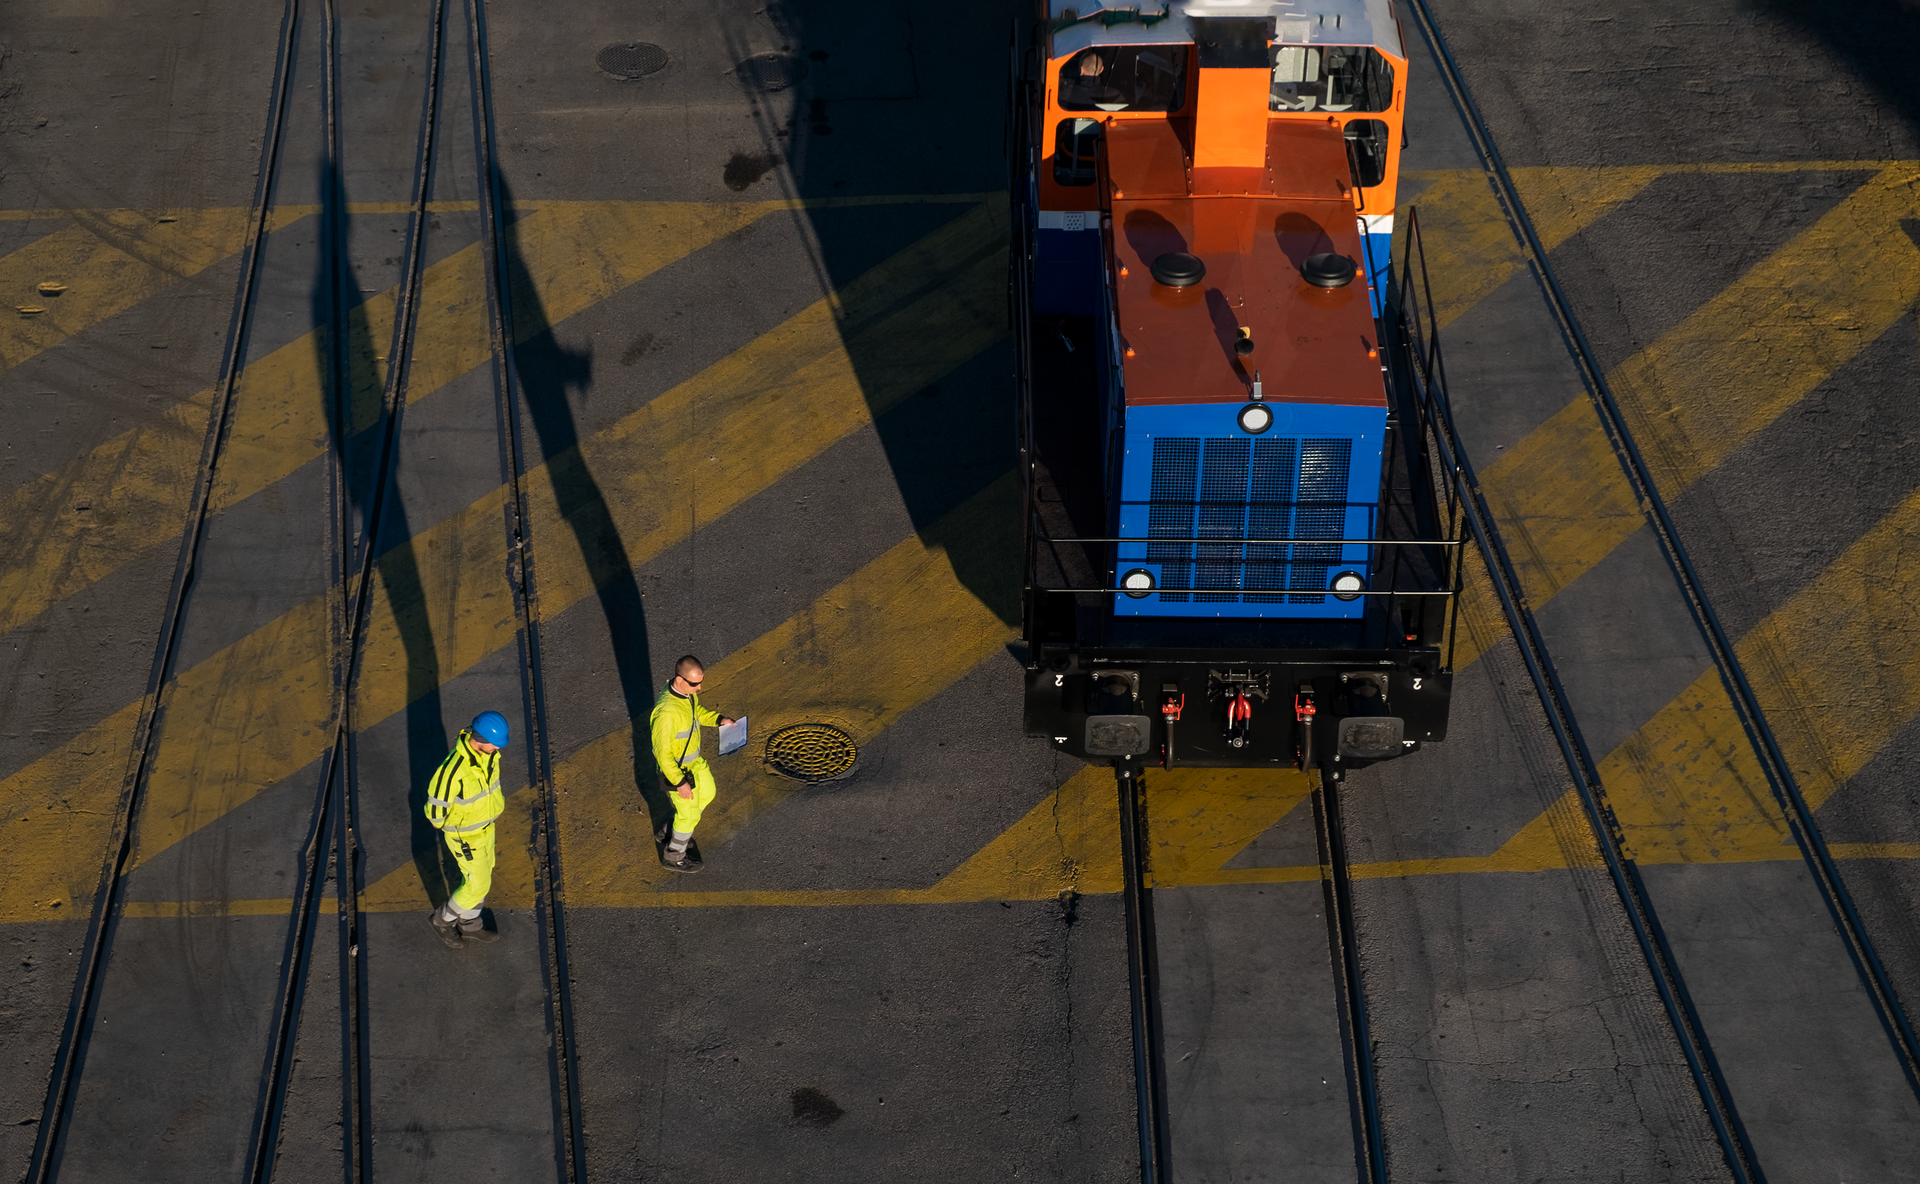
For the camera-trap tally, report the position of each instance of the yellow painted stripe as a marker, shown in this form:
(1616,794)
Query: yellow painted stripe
(136,485)
(1711,383)
(853,659)
(1837,671)
(713,425)
(109,260)
(257,711)
(1469,245)
(1765,342)
(283,214)
(211,908)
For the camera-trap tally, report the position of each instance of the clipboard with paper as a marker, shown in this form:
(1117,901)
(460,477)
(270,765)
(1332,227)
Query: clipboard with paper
(733,736)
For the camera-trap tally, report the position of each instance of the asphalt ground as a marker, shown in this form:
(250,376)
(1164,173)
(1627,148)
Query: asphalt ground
(765,380)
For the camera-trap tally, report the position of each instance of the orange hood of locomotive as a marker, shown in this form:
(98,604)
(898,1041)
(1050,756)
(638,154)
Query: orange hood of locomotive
(1254,228)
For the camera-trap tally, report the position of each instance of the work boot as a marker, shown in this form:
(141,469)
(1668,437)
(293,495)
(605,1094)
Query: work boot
(684,861)
(448,931)
(475,929)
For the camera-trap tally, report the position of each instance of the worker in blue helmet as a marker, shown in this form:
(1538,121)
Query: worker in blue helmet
(463,803)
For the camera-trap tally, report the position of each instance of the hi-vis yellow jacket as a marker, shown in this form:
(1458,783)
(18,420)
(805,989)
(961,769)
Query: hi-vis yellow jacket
(676,734)
(464,794)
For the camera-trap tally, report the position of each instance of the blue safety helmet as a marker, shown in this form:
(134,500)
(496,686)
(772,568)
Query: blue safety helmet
(491,727)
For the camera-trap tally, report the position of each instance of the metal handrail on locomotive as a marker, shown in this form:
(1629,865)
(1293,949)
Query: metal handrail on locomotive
(1242,547)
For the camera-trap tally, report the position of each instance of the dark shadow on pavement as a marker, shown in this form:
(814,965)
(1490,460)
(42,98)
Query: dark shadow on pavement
(546,371)
(951,437)
(1878,39)
(356,422)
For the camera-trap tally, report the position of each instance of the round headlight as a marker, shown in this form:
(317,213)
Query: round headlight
(1348,585)
(1255,418)
(1139,578)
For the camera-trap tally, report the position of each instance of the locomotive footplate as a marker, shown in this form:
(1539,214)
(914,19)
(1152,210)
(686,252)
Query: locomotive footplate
(1314,709)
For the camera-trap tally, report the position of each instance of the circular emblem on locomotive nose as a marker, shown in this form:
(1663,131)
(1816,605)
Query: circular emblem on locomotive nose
(1328,271)
(1177,269)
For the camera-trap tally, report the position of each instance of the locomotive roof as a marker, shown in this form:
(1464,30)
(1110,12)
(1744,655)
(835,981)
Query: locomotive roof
(1254,229)
(1296,22)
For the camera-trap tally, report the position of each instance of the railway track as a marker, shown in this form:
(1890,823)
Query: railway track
(1793,804)
(360,477)
(569,1132)
(1143,981)
(358,502)
(70,1054)
(1420,329)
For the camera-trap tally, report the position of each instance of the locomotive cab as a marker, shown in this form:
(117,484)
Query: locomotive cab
(1238,548)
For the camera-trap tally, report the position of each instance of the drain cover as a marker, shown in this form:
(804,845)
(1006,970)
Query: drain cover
(811,752)
(634,60)
(771,71)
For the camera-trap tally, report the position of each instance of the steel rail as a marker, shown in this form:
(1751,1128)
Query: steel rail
(1430,371)
(563,1064)
(1336,885)
(1143,978)
(1760,735)
(334,826)
(70,1055)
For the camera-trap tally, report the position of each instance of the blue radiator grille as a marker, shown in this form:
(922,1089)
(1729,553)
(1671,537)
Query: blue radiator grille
(1232,488)
(1270,514)
(1176,471)
(1321,512)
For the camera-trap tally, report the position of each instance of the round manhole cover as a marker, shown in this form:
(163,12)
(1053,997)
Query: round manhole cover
(634,60)
(811,752)
(771,71)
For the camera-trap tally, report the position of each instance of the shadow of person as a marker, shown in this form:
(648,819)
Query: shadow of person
(358,425)
(546,372)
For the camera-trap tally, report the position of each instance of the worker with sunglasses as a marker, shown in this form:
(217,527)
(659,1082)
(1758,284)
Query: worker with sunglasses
(675,723)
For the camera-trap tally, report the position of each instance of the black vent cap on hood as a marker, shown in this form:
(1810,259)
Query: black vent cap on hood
(1328,271)
(1177,269)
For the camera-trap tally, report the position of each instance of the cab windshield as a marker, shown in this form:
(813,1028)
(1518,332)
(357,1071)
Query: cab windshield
(1125,78)
(1329,78)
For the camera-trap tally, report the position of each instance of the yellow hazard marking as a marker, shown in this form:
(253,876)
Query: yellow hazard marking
(135,486)
(260,709)
(853,658)
(1710,383)
(1837,672)
(108,261)
(1696,729)
(1470,247)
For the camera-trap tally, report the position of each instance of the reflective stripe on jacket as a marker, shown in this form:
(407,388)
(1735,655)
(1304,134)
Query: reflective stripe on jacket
(464,794)
(676,736)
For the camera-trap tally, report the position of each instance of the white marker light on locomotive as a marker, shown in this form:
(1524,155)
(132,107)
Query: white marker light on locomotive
(1255,418)
(1139,578)
(1348,585)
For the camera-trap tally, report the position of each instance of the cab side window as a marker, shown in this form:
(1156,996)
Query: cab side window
(1125,78)
(1076,143)
(1329,78)
(1367,144)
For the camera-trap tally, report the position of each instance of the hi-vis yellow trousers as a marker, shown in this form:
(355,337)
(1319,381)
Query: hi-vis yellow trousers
(473,851)
(686,812)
